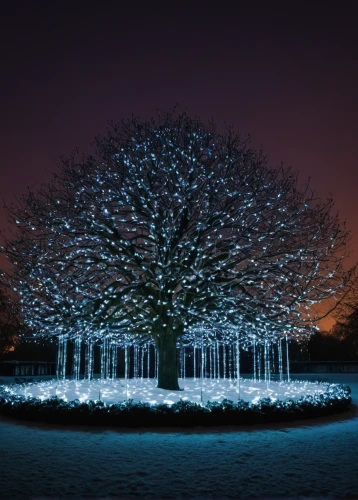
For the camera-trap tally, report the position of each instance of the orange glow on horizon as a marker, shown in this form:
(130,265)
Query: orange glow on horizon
(326,324)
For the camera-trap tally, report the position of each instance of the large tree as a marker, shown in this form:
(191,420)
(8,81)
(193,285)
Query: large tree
(171,225)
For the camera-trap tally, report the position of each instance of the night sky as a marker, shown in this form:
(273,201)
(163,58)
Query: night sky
(284,72)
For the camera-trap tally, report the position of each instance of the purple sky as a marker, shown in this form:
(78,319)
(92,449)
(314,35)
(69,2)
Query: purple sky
(284,72)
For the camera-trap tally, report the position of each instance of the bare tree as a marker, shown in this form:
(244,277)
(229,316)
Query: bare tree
(171,225)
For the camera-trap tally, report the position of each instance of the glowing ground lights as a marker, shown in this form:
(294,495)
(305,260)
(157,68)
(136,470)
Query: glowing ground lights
(139,403)
(145,390)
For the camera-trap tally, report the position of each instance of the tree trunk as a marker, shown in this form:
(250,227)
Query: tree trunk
(167,362)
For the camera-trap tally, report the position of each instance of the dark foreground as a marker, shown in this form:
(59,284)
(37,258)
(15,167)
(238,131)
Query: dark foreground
(308,459)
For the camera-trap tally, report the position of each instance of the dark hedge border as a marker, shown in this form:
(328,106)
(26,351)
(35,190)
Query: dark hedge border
(181,414)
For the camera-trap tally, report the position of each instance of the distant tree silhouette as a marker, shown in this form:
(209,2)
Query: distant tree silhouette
(346,328)
(9,322)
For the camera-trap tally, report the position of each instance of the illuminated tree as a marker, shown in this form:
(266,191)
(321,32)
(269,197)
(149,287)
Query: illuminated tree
(169,226)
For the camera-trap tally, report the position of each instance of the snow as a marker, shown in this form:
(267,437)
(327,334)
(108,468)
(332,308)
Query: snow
(311,458)
(112,391)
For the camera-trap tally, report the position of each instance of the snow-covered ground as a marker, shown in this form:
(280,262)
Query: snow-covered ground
(311,458)
(195,390)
